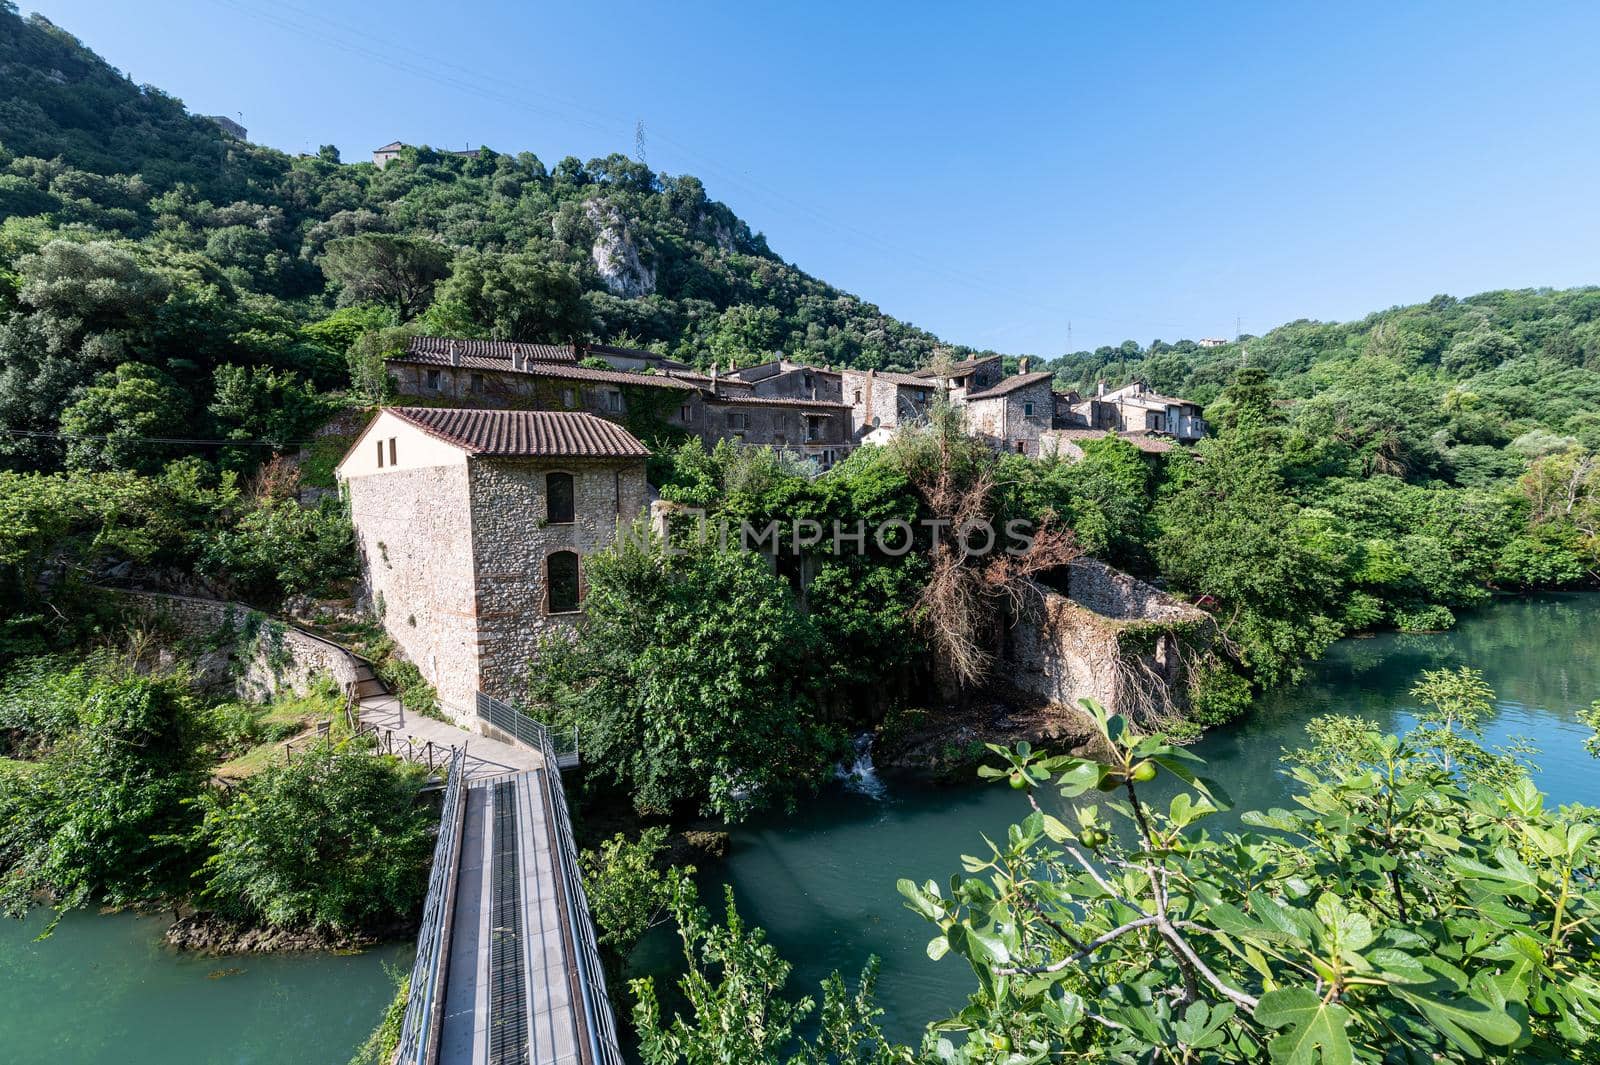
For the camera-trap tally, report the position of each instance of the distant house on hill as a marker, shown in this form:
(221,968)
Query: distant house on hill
(382,156)
(473,527)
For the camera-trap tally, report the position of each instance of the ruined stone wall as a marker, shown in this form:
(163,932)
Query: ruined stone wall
(513,539)
(1114,594)
(414,536)
(1112,638)
(267,656)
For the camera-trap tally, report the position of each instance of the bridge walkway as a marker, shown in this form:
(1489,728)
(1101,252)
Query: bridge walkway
(507,971)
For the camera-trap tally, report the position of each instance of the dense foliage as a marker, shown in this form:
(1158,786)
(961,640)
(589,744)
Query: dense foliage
(692,680)
(1411,908)
(106,811)
(105,797)
(333,839)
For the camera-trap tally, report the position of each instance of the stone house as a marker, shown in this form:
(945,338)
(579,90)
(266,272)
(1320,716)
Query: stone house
(507,375)
(1135,408)
(783,379)
(1013,414)
(970,375)
(816,429)
(473,526)
(884,399)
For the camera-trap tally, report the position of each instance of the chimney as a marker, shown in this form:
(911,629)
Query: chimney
(714,376)
(519,361)
(1022,365)
(455,353)
(1100,390)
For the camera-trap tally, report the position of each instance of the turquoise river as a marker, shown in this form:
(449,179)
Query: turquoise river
(102,989)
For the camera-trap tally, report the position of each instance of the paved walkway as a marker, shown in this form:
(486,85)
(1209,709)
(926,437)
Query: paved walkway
(485,757)
(508,998)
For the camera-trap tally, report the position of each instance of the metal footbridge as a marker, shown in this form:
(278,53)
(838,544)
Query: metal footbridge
(507,972)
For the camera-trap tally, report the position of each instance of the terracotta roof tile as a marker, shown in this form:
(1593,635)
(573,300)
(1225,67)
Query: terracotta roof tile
(1011,384)
(525,433)
(490,349)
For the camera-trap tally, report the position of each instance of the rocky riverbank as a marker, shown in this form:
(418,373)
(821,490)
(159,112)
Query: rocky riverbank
(208,934)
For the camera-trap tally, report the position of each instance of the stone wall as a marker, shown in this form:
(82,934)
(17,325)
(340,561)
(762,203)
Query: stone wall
(1003,422)
(878,406)
(511,541)
(267,656)
(1111,638)
(414,536)
(774,424)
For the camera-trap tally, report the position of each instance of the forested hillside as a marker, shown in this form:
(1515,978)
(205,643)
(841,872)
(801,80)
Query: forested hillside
(137,233)
(1460,390)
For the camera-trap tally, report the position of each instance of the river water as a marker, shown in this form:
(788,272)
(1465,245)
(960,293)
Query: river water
(104,990)
(822,883)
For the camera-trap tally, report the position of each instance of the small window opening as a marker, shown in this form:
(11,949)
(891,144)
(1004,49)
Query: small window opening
(563,592)
(559,507)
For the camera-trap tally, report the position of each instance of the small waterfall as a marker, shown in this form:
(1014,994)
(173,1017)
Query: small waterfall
(860,775)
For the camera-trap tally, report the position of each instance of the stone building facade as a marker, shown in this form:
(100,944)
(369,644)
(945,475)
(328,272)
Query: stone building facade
(817,429)
(885,399)
(503,375)
(473,527)
(1012,415)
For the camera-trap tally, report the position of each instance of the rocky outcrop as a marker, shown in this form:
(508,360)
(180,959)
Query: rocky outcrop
(616,256)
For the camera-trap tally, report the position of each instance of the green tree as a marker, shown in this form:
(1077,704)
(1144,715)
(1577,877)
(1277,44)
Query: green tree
(109,422)
(692,685)
(732,991)
(518,297)
(107,814)
(1395,914)
(336,838)
(398,272)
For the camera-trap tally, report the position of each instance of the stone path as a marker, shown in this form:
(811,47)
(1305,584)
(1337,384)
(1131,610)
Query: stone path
(485,757)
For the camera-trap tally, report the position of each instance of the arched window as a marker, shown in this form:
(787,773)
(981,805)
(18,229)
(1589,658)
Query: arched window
(558,499)
(562,591)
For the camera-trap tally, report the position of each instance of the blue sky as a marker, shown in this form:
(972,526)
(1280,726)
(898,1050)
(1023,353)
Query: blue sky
(1137,171)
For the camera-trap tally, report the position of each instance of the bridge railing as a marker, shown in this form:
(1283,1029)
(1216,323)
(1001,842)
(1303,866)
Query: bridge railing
(600,1023)
(600,1026)
(419,1032)
(524,729)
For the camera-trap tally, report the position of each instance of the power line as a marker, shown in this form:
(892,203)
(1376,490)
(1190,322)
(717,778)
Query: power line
(188,441)
(463,78)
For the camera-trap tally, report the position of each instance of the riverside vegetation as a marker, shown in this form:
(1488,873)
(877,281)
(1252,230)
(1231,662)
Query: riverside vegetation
(160,281)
